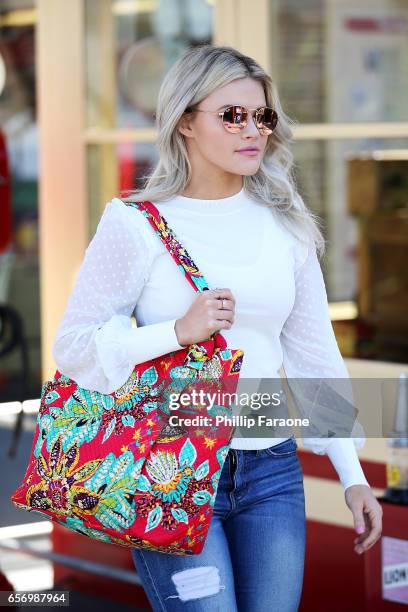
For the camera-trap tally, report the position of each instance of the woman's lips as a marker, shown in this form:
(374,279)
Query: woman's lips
(249,152)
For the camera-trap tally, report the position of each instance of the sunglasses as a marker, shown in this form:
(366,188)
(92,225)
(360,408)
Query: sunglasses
(235,118)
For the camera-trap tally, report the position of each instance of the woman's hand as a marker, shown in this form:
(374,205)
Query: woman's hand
(367,514)
(207,314)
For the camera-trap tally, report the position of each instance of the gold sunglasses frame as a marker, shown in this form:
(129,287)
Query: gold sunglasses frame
(252,111)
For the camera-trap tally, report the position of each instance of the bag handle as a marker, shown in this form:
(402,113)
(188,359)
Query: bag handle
(172,244)
(179,254)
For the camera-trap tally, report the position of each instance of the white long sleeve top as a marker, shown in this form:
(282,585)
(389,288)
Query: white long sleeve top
(281,312)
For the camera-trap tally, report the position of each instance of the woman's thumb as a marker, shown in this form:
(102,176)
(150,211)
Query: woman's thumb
(359,523)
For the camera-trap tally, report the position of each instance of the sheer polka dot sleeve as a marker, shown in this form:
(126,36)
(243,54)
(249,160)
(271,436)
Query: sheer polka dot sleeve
(308,341)
(96,344)
(310,350)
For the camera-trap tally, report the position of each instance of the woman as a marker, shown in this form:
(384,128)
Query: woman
(224,184)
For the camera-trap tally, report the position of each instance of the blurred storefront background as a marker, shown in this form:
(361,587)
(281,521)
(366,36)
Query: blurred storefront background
(78,88)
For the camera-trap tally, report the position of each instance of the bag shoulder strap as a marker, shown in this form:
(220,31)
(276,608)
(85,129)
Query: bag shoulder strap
(179,253)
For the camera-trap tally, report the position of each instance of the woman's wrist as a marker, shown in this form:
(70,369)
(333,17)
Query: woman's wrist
(178,333)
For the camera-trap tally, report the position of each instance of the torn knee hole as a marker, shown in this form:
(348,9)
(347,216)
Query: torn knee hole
(197,582)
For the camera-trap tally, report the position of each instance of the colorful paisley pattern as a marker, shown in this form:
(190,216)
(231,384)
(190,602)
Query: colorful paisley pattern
(111,467)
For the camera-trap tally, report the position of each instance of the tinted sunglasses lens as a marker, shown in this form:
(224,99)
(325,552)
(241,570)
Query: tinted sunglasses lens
(234,118)
(267,120)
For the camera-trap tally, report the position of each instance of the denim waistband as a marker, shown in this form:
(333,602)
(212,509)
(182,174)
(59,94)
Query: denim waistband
(255,451)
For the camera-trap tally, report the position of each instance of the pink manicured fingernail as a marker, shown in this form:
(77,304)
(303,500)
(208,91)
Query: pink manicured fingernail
(360,529)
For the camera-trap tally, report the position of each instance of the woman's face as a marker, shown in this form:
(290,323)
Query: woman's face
(208,142)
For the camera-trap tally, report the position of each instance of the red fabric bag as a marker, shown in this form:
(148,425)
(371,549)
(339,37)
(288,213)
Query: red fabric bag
(115,467)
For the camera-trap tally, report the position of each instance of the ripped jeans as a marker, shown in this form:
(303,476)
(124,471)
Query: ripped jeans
(253,557)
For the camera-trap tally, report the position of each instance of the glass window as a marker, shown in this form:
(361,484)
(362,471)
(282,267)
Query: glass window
(341,61)
(20,321)
(322,176)
(130,45)
(20,343)
(131,163)
(347,63)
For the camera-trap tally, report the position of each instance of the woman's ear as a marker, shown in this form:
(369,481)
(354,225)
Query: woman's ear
(184,125)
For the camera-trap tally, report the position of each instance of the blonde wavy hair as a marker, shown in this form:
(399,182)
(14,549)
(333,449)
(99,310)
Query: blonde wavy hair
(194,76)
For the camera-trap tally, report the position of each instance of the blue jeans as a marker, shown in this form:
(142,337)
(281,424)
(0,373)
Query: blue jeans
(253,557)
